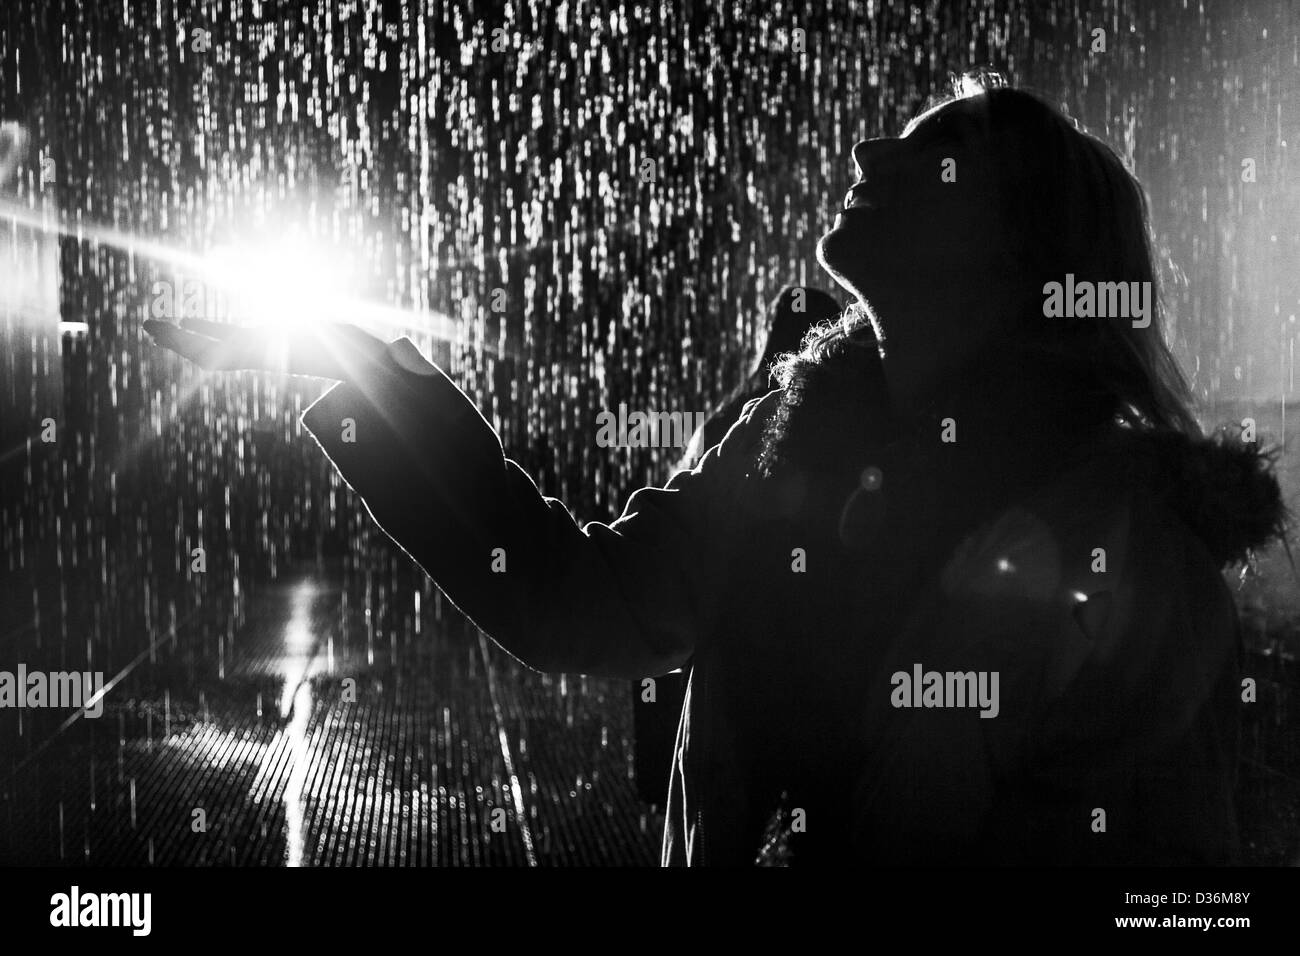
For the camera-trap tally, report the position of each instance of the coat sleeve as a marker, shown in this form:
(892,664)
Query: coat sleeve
(626,599)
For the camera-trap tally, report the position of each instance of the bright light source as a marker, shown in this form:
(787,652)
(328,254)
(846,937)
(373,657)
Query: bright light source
(291,280)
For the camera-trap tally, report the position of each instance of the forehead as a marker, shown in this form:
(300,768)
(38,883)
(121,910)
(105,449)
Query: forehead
(957,118)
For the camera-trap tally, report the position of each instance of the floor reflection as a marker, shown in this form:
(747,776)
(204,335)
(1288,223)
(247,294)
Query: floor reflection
(295,706)
(395,750)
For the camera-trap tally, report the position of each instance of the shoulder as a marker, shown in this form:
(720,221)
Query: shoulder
(739,444)
(760,409)
(1087,528)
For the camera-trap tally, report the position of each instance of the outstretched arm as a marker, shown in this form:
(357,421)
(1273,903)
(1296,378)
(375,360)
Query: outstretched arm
(626,599)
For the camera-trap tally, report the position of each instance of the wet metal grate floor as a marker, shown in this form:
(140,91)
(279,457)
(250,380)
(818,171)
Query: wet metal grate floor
(316,750)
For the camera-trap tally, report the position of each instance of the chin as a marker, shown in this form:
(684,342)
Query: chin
(839,253)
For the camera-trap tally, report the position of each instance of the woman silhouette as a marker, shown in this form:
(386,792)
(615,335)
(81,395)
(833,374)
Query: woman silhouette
(953,592)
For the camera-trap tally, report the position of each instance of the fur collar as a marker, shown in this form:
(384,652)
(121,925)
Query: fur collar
(1019,419)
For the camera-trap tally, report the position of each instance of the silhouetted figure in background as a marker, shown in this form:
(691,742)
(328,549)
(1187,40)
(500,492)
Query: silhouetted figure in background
(790,317)
(958,480)
(796,310)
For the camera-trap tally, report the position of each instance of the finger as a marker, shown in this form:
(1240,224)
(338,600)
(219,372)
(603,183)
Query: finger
(243,347)
(215,330)
(202,351)
(211,354)
(168,335)
(157,328)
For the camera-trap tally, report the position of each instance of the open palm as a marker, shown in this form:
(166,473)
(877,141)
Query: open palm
(330,350)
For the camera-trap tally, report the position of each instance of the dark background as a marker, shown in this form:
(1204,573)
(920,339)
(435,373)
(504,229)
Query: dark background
(449,170)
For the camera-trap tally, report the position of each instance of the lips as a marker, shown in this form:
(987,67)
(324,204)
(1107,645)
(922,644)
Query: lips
(859,196)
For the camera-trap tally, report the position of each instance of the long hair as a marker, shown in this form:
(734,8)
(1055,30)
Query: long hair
(1072,207)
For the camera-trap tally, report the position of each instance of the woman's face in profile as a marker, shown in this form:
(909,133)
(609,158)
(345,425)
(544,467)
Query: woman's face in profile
(923,213)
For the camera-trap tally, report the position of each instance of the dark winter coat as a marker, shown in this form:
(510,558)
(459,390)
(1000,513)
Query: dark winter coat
(821,549)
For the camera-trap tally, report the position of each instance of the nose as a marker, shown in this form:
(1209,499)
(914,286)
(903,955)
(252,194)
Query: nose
(868,153)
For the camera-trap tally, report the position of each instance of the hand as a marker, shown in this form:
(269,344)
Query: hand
(330,350)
